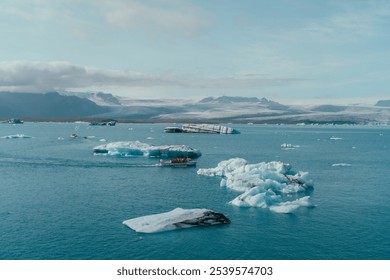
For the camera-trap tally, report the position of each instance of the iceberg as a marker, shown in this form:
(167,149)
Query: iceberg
(136,148)
(264,184)
(289,206)
(176,219)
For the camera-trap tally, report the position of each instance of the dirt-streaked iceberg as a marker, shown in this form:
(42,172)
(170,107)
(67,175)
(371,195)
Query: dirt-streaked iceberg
(176,219)
(136,148)
(272,185)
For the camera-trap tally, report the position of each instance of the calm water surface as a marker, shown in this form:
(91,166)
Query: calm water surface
(59,201)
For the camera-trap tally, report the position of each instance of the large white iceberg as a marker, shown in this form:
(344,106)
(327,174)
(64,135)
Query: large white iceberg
(136,148)
(265,184)
(176,219)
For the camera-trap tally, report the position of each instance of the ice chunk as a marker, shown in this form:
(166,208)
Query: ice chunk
(263,184)
(136,148)
(176,219)
(342,164)
(16,136)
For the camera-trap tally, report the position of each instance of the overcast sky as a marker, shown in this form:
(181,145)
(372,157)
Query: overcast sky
(291,51)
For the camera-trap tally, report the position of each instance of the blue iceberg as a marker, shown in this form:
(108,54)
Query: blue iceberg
(273,185)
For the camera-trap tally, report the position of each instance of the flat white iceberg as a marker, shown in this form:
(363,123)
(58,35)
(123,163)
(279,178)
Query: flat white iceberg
(176,219)
(208,128)
(264,184)
(136,148)
(287,146)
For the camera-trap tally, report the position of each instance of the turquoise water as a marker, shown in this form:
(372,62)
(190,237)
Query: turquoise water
(59,201)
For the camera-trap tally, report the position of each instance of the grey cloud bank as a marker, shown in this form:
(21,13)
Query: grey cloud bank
(22,76)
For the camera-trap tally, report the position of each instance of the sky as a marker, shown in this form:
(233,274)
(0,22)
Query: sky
(290,51)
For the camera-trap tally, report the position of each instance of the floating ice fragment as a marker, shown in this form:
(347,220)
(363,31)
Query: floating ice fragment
(136,148)
(335,138)
(176,219)
(341,164)
(290,206)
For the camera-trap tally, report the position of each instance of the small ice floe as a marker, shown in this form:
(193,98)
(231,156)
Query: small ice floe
(176,219)
(16,136)
(136,148)
(335,138)
(150,138)
(102,140)
(60,138)
(286,146)
(342,164)
(208,128)
(263,184)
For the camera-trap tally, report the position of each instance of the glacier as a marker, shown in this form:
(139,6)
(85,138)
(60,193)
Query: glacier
(136,148)
(176,219)
(271,185)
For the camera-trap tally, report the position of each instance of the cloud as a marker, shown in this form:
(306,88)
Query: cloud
(177,16)
(351,21)
(158,16)
(30,76)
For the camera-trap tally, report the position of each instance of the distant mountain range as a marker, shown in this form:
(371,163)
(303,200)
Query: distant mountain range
(223,109)
(49,105)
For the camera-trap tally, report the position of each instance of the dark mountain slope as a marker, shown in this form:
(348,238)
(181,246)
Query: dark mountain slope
(49,105)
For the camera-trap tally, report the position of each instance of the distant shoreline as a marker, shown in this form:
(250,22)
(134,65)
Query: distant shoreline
(198,121)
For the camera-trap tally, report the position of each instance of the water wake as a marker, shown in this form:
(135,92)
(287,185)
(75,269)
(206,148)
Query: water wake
(50,162)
